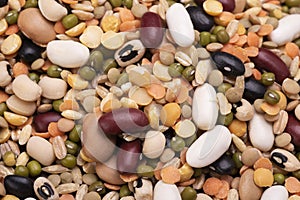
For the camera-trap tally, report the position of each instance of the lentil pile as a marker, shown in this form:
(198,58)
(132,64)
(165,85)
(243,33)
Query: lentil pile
(142,100)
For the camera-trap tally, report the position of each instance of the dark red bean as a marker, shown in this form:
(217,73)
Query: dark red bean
(228,5)
(41,121)
(293,128)
(129,120)
(151,33)
(270,62)
(200,20)
(128,156)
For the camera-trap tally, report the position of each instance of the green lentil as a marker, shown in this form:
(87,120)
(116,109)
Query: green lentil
(225,119)
(271,97)
(31,4)
(188,193)
(115,3)
(96,60)
(34,168)
(285,9)
(190,140)
(236,157)
(54,71)
(127,3)
(204,38)
(22,170)
(12,17)
(74,135)
(175,69)
(222,36)
(56,104)
(108,64)
(69,21)
(297,42)
(87,73)
(292,3)
(268,78)
(34,77)
(124,191)
(98,187)
(216,29)
(279,178)
(213,38)
(123,78)
(189,73)
(296,174)
(197,172)
(224,87)
(152,162)
(145,171)
(177,143)
(9,158)
(3,108)
(69,161)
(72,147)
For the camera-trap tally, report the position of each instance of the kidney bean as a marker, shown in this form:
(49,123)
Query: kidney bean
(41,121)
(228,64)
(20,186)
(128,120)
(269,61)
(151,30)
(228,5)
(293,128)
(224,165)
(128,156)
(200,20)
(253,90)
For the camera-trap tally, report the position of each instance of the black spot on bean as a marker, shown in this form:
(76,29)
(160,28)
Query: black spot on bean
(279,159)
(127,53)
(224,165)
(45,191)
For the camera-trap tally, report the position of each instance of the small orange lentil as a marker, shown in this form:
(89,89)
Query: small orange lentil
(19,68)
(155,57)
(239,15)
(157,91)
(256,74)
(126,15)
(274,2)
(69,104)
(22,3)
(170,175)
(12,29)
(242,40)
(157,170)
(262,13)
(265,29)
(43,135)
(53,129)
(263,163)
(70,1)
(92,22)
(3,96)
(59,27)
(292,184)
(251,51)
(130,25)
(224,18)
(46,65)
(237,127)
(112,187)
(234,38)
(66,197)
(240,53)
(253,39)
(291,49)
(223,192)
(228,48)
(212,186)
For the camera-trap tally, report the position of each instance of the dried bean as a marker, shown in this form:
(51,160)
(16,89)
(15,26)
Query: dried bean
(128,156)
(200,20)
(41,121)
(293,128)
(19,186)
(151,30)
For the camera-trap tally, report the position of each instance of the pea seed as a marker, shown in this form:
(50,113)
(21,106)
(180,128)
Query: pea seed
(188,141)
(279,178)
(127,3)
(54,71)
(222,36)
(225,119)
(87,73)
(175,69)
(124,191)
(96,60)
(70,21)
(297,42)
(285,9)
(177,143)
(213,38)
(217,29)
(145,171)
(31,4)
(56,104)
(34,168)
(9,158)
(236,157)
(69,161)
(271,97)
(3,108)
(21,170)
(224,87)
(197,172)
(115,3)
(292,3)
(34,77)
(268,78)
(296,174)
(12,17)
(152,162)
(108,64)
(123,78)
(204,38)
(188,193)
(72,147)
(98,187)
(75,133)
(189,73)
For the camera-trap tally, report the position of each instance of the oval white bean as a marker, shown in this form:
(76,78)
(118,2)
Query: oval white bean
(277,192)
(163,191)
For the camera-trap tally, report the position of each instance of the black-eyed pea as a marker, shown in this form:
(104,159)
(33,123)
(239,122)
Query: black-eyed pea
(285,160)
(44,189)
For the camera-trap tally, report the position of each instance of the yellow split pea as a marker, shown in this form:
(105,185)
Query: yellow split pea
(170,113)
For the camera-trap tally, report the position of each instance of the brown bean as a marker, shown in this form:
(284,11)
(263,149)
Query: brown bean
(128,156)
(41,121)
(293,128)
(269,61)
(128,120)
(151,30)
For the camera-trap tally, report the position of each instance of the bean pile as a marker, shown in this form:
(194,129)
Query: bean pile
(145,99)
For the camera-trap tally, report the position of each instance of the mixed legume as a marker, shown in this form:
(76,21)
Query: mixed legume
(128,99)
